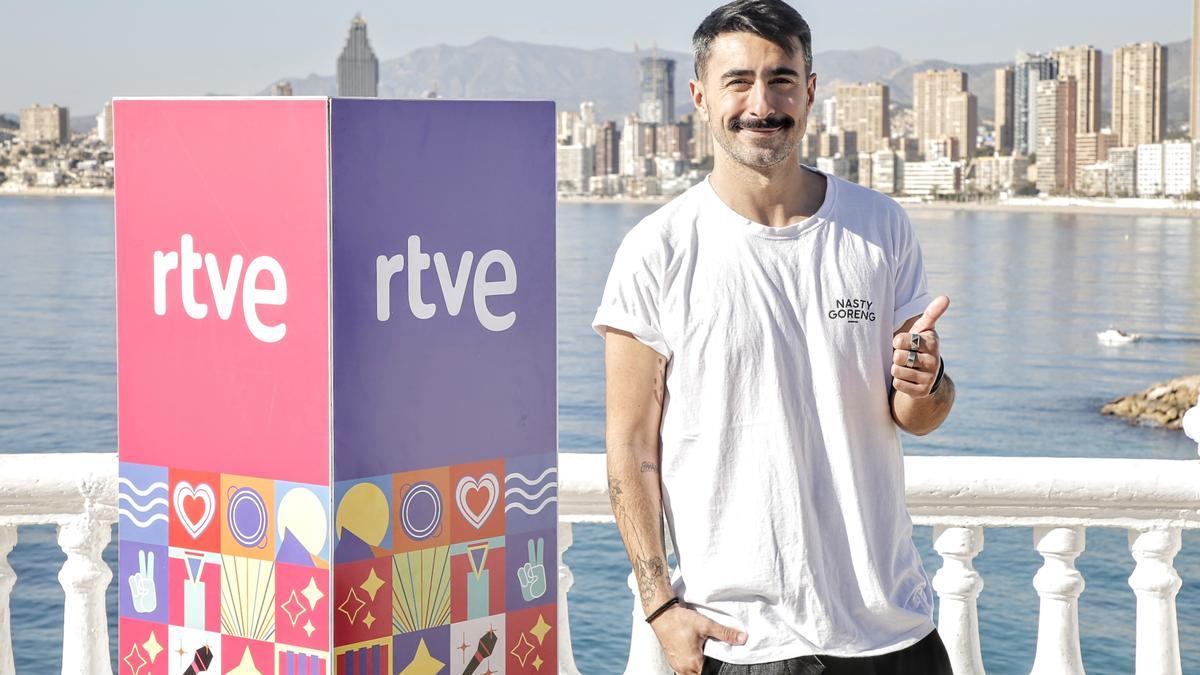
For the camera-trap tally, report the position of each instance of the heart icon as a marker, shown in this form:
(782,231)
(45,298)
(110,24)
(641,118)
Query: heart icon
(468,500)
(195,506)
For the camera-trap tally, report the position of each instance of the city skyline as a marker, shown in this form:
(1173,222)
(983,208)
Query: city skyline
(265,44)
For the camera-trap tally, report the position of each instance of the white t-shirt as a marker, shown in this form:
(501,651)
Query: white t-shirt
(782,471)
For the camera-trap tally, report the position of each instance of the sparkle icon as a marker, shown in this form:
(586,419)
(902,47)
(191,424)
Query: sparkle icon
(293,608)
(372,584)
(522,650)
(135,660)
(152,647)
(351,606)
(312,594)
(540,629)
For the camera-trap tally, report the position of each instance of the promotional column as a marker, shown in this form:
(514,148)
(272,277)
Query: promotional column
(336,386)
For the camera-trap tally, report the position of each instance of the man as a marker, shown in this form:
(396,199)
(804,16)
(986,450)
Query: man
(766,335)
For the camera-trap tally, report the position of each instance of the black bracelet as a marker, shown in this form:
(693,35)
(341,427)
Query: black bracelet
(665,606)
(938,379)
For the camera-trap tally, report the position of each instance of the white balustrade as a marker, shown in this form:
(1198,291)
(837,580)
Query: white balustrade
(1058,584)
(78,493)
(958,585)
(8,578)
(1154,500)
(566,657)
(1155,582)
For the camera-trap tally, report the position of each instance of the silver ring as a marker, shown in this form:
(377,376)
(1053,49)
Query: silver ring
(912,359)
(914,341)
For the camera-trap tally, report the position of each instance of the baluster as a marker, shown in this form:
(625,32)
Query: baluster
(1059,585)
(566,657)
(1155,582)
(958,585)
(8,579)
(84,578)
(646,656)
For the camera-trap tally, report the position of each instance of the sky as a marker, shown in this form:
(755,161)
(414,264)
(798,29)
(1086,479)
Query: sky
(81,53)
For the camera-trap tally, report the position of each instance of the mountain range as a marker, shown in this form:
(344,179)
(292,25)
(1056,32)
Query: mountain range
(502,69)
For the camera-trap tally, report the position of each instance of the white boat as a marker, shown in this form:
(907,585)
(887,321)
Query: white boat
(1113,337)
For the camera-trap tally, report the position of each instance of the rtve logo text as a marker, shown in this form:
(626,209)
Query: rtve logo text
(244,278)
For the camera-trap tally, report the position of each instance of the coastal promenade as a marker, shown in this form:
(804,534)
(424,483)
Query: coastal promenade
(1057,499)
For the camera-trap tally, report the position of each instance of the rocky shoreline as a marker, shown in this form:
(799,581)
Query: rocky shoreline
(1160,405)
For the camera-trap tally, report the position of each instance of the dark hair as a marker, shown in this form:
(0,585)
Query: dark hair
(772,20)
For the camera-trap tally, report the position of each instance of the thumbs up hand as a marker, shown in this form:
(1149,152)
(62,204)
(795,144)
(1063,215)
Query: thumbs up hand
(916,355)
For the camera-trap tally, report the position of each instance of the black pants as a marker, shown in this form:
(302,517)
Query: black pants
(926,657)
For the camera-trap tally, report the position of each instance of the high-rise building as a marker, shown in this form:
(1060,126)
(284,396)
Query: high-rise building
(1149,170)
(1178,168)
(104,123)
(46,124)
(673,140)
(281,88)
(887,171)
(1194,95)
(702,141)
(865,174)
(1028,70)
(1001,173)
(607,154)
(1056,100)
(573,167)
(1083,64)
(943,107)
(1004,110)
(1139,94)
(829,114)
(1091,149)
(863,109)
(939,177)
(828,145)
(632,148)
(1122,179)
(656,103)
(357,67)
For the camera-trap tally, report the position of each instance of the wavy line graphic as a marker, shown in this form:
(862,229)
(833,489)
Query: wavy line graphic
(143,508)
(125,482)
(521,507)
(526,495)
(142,523)
(525,479)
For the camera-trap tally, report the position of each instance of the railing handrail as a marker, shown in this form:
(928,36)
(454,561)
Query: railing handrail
(990,491)
(1019,491)
(44,489)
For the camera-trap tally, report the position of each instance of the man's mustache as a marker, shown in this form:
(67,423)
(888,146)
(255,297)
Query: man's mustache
(779,122)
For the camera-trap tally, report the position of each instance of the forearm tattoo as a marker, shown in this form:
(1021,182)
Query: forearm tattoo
(649,467)
(648,571)
(648,574)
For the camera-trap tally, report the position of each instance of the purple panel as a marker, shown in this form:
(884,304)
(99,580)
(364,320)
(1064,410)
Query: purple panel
(410,392)
(143,569)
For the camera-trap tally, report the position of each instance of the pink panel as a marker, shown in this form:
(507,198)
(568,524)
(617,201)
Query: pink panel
(244,389)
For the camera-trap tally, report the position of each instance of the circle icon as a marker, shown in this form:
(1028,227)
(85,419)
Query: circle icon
(248,517)
(421,511)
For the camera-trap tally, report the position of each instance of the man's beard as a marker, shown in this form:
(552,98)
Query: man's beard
(757,157)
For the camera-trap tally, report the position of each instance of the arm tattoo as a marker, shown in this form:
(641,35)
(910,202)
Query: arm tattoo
(648,574)
(614,492)
(649,467)
(647,570)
